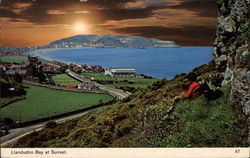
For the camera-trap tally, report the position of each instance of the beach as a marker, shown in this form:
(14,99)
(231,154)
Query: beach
(39,54)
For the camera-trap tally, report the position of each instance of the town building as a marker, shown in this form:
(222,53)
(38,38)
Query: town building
(3,67)
(87,85)
(50,69)
(71,86)
(120,72)
(16,71)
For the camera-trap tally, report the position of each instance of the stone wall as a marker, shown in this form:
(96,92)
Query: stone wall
(231,51)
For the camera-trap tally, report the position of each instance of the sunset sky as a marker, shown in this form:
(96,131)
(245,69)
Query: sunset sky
(39,22)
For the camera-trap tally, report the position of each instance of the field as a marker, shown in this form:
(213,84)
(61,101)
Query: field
(43,102)
(64,79)
(121,81)
(13,59)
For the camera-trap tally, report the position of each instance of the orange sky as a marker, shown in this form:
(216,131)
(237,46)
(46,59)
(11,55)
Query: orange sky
(39,22)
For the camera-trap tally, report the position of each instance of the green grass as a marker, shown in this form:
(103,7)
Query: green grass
(141,121)
(201,123)
(102,77)
(41,102)
(64,79)
(13,59)
(122,81)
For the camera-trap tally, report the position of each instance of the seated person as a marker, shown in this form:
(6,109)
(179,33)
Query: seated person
(193,87)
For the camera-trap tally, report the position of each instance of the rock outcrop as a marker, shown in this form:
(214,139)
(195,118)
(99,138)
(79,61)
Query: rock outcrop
(231,51)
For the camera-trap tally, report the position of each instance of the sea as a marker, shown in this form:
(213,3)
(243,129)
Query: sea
(154,62)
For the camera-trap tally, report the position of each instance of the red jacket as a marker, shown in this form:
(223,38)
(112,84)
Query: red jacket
(192,93)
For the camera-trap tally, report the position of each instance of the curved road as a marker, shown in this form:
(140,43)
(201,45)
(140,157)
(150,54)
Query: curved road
(120,94)
(16,134)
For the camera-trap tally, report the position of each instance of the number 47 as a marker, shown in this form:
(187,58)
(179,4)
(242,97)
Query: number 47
(237,151)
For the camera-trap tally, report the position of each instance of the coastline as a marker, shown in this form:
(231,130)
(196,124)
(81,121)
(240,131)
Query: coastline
(39,54)
(158,71)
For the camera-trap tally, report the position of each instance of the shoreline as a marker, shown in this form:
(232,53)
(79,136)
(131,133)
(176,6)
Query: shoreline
(39,54)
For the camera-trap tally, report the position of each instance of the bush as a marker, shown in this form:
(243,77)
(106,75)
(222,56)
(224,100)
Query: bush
(51,124)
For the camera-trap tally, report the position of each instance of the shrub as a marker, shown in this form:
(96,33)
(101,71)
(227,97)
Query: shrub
(51,124)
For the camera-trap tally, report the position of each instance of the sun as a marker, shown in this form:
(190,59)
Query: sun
(80,27)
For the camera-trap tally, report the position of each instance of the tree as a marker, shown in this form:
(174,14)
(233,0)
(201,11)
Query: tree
(18,78)
(8,121)
(100,101)
(4,85)
(3,75)
(62,69)
(42,77)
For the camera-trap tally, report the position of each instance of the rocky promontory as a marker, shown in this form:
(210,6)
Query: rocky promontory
(110,41)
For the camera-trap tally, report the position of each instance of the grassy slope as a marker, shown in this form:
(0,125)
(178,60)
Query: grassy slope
(64,79)
(139,121)
(13,59)
(41,102)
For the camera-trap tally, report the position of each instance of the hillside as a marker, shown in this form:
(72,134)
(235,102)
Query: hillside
(110,41)
(143,120)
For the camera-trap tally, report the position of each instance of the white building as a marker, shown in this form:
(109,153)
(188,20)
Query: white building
(120,72)
(87,85)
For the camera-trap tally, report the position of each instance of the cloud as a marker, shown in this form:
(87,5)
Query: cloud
(188,35)
(47,12)
(56,12)
(19,7)
(203,8)
(186,18)
(145,3)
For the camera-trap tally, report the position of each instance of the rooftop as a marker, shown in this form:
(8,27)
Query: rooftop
(123,70)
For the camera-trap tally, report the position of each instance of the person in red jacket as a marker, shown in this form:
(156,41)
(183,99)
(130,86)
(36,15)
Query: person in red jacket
(193,87)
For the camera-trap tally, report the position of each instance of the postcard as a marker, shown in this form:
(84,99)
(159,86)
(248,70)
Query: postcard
(124,78)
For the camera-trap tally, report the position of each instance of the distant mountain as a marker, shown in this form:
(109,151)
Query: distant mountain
(110,41)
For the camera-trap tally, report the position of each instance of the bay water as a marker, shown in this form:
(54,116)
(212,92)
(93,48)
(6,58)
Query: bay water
(155,62)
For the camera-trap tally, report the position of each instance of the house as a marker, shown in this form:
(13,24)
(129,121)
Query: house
(87,85)
(3,67)
(15,66)
(71,66)
(30,71)
(59,63)
(33,61)
(50,68)
(77,69)
(120,72)
(16,71)
(71,86)
(99,69)
(84,66)
(89,69)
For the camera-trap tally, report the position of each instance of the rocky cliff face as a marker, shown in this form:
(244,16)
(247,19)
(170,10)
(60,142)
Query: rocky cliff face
(231,51)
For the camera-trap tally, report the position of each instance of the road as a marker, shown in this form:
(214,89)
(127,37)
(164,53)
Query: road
(120,94)
(16,134)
